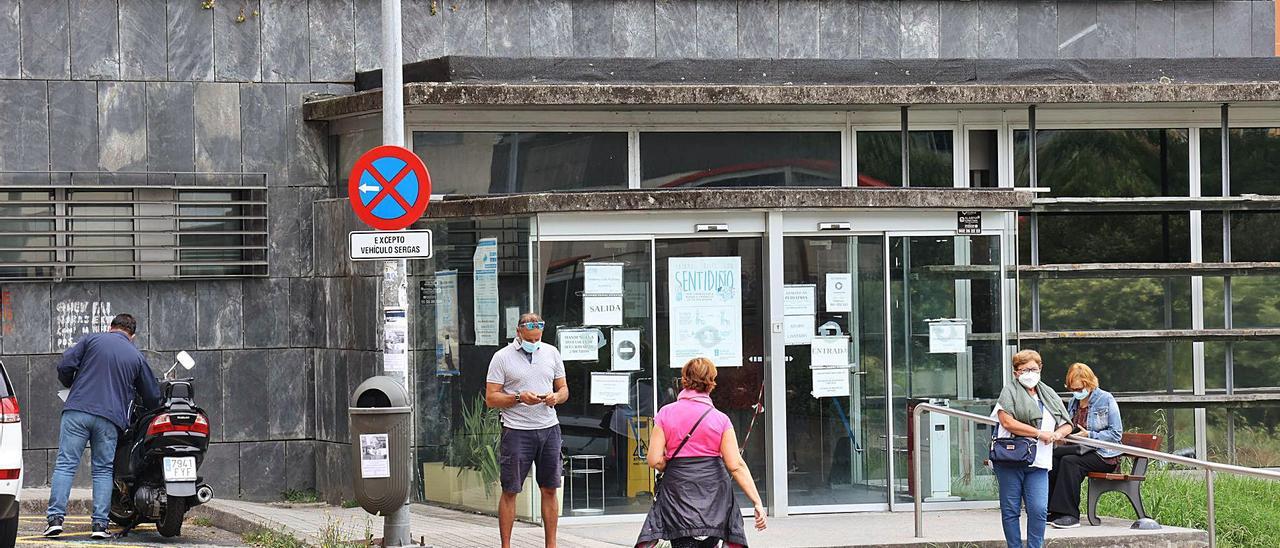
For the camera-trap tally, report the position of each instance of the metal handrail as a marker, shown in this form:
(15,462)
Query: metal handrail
(1208,466)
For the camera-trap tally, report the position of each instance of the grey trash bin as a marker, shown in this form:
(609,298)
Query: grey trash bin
(380,445)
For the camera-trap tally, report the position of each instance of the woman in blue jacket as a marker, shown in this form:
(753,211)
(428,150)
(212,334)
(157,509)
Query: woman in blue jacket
(1095,412)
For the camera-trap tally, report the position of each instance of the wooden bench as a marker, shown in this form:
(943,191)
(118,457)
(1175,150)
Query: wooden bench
(1130,484)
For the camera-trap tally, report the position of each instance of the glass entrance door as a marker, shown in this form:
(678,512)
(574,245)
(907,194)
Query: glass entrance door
(837,451)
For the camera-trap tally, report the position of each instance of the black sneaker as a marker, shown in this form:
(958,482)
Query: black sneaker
(55,527)
(100,532)
(1049,517)
(1066,522)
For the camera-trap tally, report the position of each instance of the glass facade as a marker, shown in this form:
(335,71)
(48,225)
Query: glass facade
(739,159)
(475,163)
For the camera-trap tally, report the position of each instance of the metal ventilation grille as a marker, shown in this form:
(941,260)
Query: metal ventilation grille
(137,226)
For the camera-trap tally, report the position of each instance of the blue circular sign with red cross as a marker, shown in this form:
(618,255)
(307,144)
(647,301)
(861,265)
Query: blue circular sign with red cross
(389,187)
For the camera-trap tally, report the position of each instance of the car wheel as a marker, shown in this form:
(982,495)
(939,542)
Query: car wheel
(9,531)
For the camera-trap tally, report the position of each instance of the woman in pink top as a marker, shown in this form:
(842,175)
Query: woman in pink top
(695,448)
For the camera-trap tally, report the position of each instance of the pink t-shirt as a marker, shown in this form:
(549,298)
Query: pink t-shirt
(675,419)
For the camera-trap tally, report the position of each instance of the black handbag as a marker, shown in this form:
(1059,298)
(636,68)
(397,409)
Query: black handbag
(1013,451)
(657,478)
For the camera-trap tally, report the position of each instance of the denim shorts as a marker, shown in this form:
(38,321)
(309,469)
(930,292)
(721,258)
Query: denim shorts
(518,450)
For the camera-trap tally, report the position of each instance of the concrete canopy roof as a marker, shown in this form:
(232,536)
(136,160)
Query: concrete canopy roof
(503,83)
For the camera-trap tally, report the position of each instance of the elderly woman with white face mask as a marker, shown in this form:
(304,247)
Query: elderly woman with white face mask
(1028,408)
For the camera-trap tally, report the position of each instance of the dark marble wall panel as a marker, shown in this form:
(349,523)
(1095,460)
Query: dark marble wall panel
(634,34)
(324,408)
(464,27)
(307,197)
(1155,28)
(144,32)
(219,314)
(28,332)
(283,252)
(46,46)
(337,297)
(920,28)
(264,137)
(122,126)
(423,28)
(958,37)
(675,29)
(550,28)
(301,473)
(365,298)
(1263,23)
(208,388)
(221,469)
(247,393)
(1117,29)
(73,126)
(10,40)
(237,41)
(592,29)
(217,130)
(1231,28)
(130,298)
(173,316)
(284,37)
(1037,29)
(307,312)
(881,32)
(266,308)
(290,378)
(190,41)
(64,335)
(759,29)
(307,142)
(840,29)
(998,29)
(333,42)
(1078,30)
(35,468)
(95,40)
(798,24)
(44,413)
(507,22)
(717,24)
(1192,29)
(171,126)
(368,21)
(24,109)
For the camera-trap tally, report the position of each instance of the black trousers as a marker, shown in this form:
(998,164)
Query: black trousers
(1069,471)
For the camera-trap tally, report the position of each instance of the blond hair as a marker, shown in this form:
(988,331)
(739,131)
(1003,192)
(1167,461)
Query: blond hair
(1025,357)
(1079,372)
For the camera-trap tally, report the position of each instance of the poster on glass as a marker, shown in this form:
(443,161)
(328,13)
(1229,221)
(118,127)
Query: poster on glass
(705,300)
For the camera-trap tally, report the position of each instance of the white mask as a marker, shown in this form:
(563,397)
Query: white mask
(1030,379)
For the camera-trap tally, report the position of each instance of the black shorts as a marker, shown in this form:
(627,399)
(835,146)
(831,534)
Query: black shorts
(518,450)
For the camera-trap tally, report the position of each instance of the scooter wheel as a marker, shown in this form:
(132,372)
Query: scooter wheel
(170,524)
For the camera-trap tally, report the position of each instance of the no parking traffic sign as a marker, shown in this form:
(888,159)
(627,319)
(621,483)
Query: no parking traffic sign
(389,188)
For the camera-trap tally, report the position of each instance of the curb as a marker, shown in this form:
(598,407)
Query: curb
(230,521)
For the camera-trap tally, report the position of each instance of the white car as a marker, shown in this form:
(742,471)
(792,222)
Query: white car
(10,460)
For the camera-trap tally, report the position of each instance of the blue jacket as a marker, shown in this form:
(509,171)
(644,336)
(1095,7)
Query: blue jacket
(104,371)
(1103,421)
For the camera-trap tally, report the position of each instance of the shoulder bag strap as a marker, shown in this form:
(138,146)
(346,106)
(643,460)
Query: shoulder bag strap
(691,430)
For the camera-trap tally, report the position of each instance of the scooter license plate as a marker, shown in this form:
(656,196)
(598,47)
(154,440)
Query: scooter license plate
(179,468)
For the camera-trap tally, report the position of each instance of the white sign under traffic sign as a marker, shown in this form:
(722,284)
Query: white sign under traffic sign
(390,244)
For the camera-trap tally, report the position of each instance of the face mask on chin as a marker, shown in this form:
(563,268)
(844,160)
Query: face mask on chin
(1080,394)
(1029,379)
(530,347)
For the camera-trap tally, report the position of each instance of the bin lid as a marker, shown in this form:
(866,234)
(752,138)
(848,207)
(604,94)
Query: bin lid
(380,392)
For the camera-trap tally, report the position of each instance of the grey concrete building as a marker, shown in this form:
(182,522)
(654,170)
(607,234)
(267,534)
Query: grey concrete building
(188,164)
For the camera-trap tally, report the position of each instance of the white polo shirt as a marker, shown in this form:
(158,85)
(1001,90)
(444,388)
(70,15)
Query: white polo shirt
(518,371)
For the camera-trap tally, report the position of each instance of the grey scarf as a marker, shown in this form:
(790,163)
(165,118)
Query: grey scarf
(1016,401)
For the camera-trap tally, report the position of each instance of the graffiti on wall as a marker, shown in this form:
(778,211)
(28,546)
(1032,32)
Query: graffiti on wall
(74,319)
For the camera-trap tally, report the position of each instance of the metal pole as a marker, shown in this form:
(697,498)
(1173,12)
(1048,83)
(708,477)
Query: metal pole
(395,528)
(1213,527)
(905,138)
(917,416)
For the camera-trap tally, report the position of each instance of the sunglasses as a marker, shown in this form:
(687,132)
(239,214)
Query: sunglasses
(534,325)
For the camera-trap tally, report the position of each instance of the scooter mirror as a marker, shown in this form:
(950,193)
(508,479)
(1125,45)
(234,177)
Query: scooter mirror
(185,359)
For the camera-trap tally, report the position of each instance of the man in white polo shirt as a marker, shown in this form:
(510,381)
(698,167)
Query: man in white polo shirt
(526,381)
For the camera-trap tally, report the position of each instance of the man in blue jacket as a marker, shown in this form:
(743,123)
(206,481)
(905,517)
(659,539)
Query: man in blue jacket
(104,371)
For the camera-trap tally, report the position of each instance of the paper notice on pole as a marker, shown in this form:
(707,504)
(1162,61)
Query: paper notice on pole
(597,310)
(610,388)
(578,345)
(840,292)
(625,349)
(395,345)
(375,456)
(797,329)
(798,299)
(602,279)
(485,300)
(832,382)
(446,286)
(705,300)
(829,352)
(947,337)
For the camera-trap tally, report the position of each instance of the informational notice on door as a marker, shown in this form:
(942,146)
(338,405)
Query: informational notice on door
(601,310)
(610,388)
(797,330)
(948,336)
(375,457)
(625,349)
(485,300)
(578,345)
(968,222)
(395,345)
(602,279)
(830,382)
(798,300)
(446,286)
(829,352)
(705,298)
(839,292)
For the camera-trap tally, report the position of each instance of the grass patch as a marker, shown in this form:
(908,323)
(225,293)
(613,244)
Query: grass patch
(300,496)
(266,538)
(1247,509)
(350,503)
(201,522)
